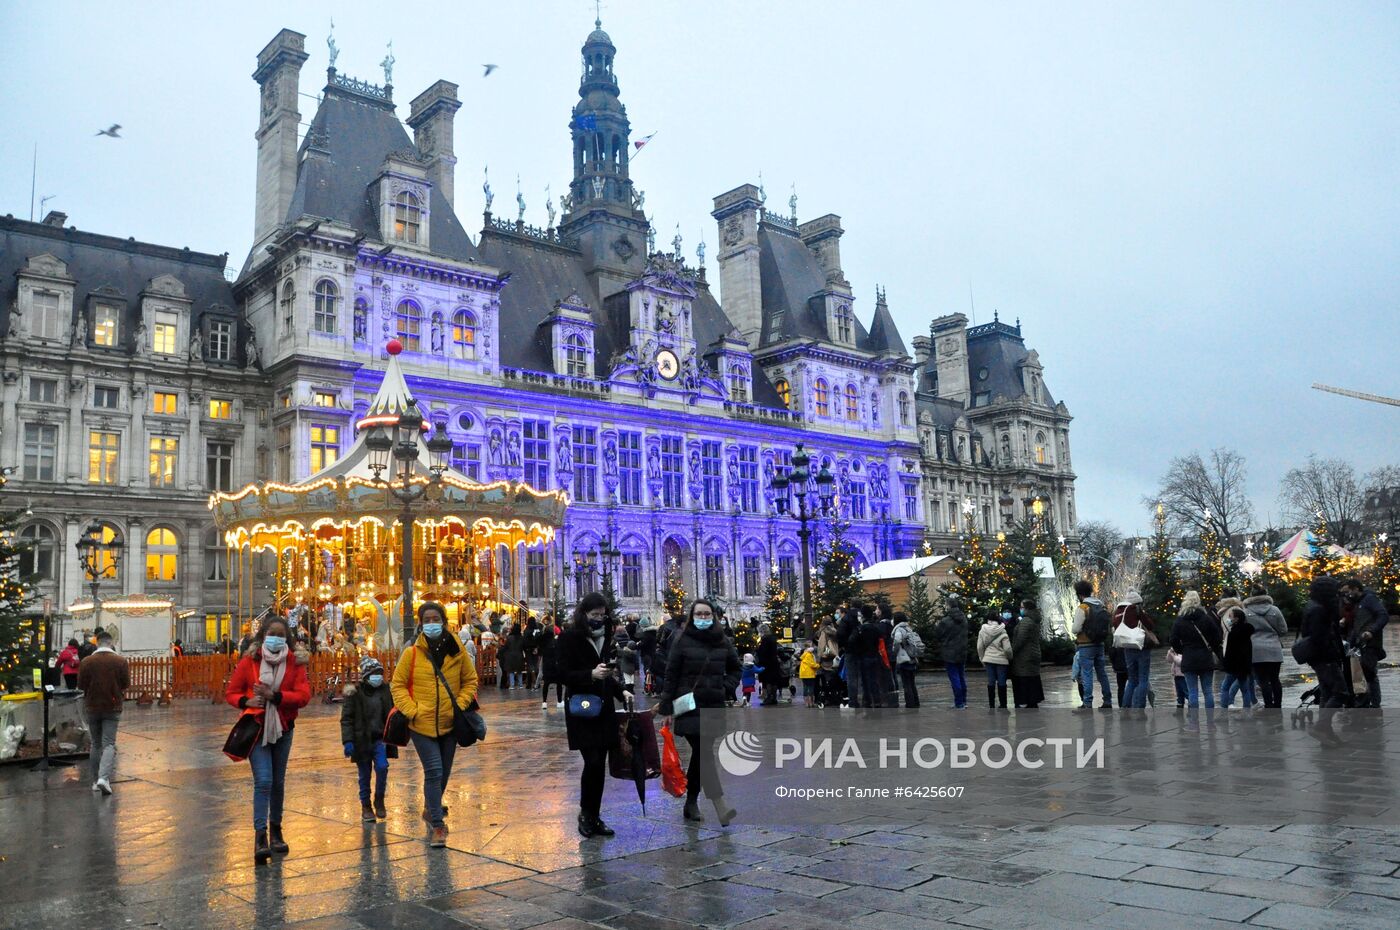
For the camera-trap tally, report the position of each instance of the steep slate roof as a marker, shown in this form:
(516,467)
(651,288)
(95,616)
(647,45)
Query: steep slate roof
(999,349)
(341,154)
(540,274)
(884,335)
(125,265)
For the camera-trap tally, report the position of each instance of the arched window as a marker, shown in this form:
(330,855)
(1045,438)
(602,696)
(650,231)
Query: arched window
(162,555)
(784,391)
(464,334)
(875,409)
(215,555)
(852,405)
(844,323)
(738,384)
(288,305)
(823,398)
(37,559)
(361,321)
(575,357)
(903,409)
(410,325)
(327,297)
(408,216)
(1041,457)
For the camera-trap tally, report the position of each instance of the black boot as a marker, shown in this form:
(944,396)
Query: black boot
(278,844)
(261,851)
(602,829)
(692,810)
(585,824)
(992,696)
(1001,696)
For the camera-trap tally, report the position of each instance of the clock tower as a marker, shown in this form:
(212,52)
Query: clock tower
(659,305)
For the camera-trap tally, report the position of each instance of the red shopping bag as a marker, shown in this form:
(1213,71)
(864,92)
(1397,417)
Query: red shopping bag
(672,774)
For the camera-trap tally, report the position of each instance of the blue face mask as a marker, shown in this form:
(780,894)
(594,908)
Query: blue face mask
(1006,615)
(703,623)
(375,680)
(432,630)
(274,644)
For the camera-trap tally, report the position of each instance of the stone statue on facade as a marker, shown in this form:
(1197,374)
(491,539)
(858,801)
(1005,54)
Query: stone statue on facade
(80,331)
(610,459)
(654,466)
(651,237)
(140,342)
(676,243)
(696,484)
(250,351)
(549,205)
(519,202)
(565,458)
(196,347)
(639,199)
(486,187)
(598,184)
(330,44)
(513,450)
(388,65)
(566,204)
(700,254)
(495,448)
(769,473)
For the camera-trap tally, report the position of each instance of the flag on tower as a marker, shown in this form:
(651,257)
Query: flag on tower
(641,142)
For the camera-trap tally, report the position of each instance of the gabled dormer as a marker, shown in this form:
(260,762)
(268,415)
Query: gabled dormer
(1032,377)
(570,329)
(732,362)
(401,193)
(164,327)
(45,300)
(105,322)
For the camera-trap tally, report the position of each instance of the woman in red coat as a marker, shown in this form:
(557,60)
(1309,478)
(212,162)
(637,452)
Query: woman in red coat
(68,664)
(270,674)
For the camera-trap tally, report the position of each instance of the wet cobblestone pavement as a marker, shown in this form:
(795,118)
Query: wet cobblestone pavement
(172,848)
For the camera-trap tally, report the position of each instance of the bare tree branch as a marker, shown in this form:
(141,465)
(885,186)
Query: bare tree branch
(1328,487)
(1100,542)
(1206,493)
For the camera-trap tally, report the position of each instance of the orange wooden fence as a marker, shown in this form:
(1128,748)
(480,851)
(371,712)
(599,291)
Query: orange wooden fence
(163,677)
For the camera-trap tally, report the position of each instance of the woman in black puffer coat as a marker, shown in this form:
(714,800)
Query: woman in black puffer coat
(702,662)
(1322,630)
(1197,638)
(587,666)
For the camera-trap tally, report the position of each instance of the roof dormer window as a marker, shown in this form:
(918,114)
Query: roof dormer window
(408,216)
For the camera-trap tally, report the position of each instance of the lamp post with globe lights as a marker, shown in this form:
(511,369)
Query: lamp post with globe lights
(797,506)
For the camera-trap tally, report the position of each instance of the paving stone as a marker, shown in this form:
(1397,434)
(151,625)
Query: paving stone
(1187,901)
(1065,860)
(854,873)
(1172,878)
(781,881)
(1346,881)
(1291,916)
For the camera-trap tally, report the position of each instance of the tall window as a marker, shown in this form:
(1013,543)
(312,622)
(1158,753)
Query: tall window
(327,298)
(575,357)
(408,216)
(103,450)
(221,341)
(843,323)
(43,391)
(283,451)
(466,458)
(903,409)
(751,576)
(40,451)
(738,384)
(856,495)
(288,306)
(714,575)
(165,402)
(784,391)
(464,334)
(46,322)
(37,560)
(163,334)
(537,453)
(215,555)
(105,330)
(325,445)
(710,475)
(787,572)
(410,325)
(586,464)
(165,455)
(536,574)
(935,514)
(631,574)
(1041,458)
(361,321)
(218,465)
(162,555)
(629,468)
(852,405)
(823,398)
(107,398)
(748,478)
(911,500)
(672,463)
(220,408)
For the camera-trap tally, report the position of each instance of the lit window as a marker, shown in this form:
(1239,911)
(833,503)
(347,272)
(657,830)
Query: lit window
(410,325)
(738,384)
(108,398)
(37,559)
(46,323)
(103,449)
(288,306)
(327,296)
(164,458)
(325,445)
(852,405)
(575,357)
(903,409)
(163,334)
(162,555)
(221,341)
(823,398)
(164,402)
(464,334)
(43,391)
(784,391)
(408,216)
(104,326)
(1041,458)
(220,408)
(325,399)
(40,451)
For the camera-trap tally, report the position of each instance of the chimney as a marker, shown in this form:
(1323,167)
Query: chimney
(950,345)
(823,236)
(279,76)
(923,349)
(740,281)
(431,114)
(56,218)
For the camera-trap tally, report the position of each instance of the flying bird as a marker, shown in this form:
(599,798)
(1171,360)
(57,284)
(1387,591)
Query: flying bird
(489,69)
(111,131)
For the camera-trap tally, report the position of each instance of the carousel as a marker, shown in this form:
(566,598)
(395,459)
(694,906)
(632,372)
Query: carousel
(335,544)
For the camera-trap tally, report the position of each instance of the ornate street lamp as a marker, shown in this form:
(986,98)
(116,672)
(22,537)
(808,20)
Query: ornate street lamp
(608,555)
(98,557)
(798,507)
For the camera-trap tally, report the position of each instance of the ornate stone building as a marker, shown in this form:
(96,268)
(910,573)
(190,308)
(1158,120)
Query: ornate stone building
(577,355)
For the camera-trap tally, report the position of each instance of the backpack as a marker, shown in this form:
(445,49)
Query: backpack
(911,644)
(1097,624)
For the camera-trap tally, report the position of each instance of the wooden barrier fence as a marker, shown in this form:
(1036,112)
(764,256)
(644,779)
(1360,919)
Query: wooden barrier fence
(160,678)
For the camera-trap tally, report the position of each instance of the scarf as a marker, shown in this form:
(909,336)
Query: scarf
(270,673)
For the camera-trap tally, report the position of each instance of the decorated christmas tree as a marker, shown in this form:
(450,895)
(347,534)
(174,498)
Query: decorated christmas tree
(1384,576)
(835,583)
(1161,584)
(975,582)
(673,598)
(777,608)
(1217,570)
(1321,561)
(17,652)
(919,607)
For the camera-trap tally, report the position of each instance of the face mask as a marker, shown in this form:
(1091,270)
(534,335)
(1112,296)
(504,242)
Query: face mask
(432,630)
(376,680)
(274,644)
(596,624)
(1006,615)
(703,623)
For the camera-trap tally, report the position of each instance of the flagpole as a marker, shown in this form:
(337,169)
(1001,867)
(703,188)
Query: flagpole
(641,144)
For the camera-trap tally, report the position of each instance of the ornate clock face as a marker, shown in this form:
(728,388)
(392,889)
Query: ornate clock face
(667,365)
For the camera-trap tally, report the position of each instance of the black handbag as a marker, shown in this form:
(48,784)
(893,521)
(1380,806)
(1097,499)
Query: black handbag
(468,726)
(396,728)
(1304,651)
(246,732)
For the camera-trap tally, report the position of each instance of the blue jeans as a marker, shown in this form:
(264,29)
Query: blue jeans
(1091,663)
(850,665)
(380,765)
(996,674)
(1180,682)
(1230,686)
(102,728)
(1198,684)
(957,678)
(1139,667)
(435,752)
(269,764)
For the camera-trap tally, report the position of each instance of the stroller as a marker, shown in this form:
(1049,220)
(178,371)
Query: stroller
(1302,716)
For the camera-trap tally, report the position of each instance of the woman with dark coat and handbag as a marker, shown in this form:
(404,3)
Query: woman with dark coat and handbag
(1197,638)
(1026,686)
(1320,645)
(270,674)
(586,658)
(768,659)
(703,670)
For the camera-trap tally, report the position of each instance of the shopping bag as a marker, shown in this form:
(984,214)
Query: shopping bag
(1359,687)
(672,774)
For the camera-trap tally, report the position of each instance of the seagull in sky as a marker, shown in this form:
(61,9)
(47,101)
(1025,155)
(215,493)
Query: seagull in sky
(112,131)
(489,69)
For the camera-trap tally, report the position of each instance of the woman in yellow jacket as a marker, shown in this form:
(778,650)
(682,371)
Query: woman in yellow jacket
(807,671)
(420,696)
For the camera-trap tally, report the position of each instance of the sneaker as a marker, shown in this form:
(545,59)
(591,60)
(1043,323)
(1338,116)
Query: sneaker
(103,786)
(94,787)
(438,839)
(559,704)
(544,706)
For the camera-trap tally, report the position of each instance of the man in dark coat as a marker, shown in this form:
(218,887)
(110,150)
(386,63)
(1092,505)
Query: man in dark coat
(665,638)
(767,659)
(951,634)
(847,637)
(1322,631)
(872,670)
(1368,622)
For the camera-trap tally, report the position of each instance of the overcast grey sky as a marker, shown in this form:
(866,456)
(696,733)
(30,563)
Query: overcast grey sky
(1192,207)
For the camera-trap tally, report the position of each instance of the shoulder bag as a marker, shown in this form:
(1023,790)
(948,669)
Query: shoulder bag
(468,726)
(1216,655)
(395,723)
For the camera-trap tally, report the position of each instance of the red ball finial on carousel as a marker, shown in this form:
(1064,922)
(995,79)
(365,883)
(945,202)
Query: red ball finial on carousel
(393,347)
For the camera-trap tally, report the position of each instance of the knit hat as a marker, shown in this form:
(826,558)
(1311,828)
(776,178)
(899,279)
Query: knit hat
(748,658)
(1132,597)
(368,665)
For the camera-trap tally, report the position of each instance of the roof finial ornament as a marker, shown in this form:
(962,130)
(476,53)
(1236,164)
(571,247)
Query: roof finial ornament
(549,205)
(519,201)
(700,251)
(597,14)
(651,237)
(792,203)
(486,186)
(996,316)
(762,194)
(676,243)
(330,43)
(388,65)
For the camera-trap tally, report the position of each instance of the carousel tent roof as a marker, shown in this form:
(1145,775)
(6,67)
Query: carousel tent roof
(1303,545)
